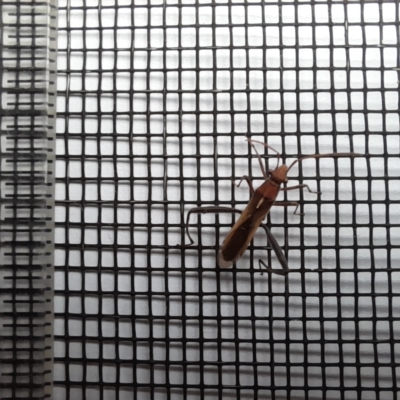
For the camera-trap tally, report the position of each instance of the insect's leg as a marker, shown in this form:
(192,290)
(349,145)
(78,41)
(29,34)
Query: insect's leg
(278,252)
(205,210)
(249,182)
(261,263)
(300,187)
(289,204)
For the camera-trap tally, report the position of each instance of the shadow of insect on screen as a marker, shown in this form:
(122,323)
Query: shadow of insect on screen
(251,218)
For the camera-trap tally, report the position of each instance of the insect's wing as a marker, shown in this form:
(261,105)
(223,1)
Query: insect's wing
(245,227)
(236,244)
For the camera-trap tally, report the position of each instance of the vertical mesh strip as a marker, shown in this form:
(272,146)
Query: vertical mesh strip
(154,102)
(28,37)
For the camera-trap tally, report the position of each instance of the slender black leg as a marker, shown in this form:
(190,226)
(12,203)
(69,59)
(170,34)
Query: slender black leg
(282,272)
(278,252)
(205,210)
(249,182)
(274,244)
(271,239)
(299,187)
(289,204)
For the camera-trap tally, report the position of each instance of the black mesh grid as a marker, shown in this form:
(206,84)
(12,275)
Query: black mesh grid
(154,104)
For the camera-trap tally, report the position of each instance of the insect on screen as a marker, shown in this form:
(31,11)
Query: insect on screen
(155,101)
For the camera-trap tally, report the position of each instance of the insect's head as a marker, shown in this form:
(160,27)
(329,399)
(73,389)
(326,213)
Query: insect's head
(280,173)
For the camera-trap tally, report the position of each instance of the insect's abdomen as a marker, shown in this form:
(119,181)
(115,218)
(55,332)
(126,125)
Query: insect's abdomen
(243,231)
(237,245)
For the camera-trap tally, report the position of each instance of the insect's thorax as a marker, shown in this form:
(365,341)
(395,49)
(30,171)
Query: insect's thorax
(279,175)
(270,188)
(264,196)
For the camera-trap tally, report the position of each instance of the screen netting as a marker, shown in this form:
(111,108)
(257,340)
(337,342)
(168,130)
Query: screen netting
(155,99)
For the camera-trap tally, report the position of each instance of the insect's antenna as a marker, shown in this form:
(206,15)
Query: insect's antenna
(324,155)
(259,159)
(267,146)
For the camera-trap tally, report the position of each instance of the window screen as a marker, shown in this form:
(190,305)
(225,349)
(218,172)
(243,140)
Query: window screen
(155,101)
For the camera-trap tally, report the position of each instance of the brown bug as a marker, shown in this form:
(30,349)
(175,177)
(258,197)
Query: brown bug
(261,201)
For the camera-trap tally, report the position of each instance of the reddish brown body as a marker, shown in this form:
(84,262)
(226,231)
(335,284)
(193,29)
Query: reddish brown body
(242,233)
